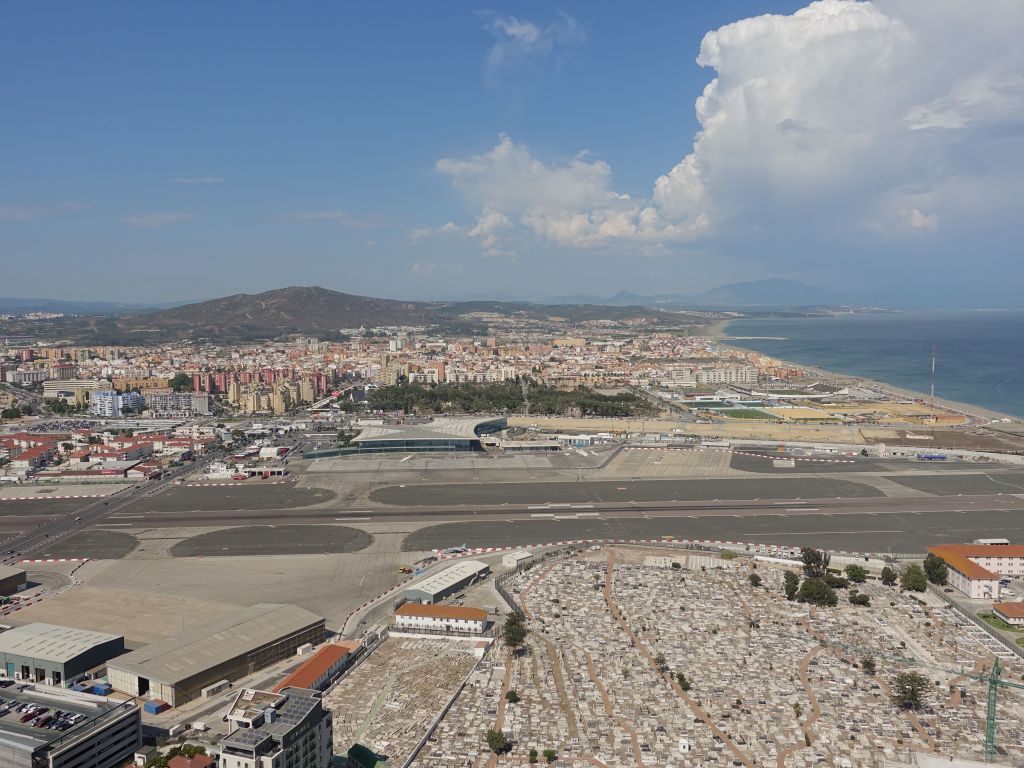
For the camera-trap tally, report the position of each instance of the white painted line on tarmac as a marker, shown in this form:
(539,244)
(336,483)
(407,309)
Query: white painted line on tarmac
(541,514)
(582,506)
(353,518)
(802,509)
(110,525)
(588,514)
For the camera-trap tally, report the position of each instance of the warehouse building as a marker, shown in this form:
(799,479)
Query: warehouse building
(58,656)
(177,669)
(12,580)
(516,559)
(438,586)
(105,733)
(322,667)
(440,619)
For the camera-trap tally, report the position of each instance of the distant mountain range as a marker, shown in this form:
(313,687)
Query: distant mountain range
(319,312)
(771,292)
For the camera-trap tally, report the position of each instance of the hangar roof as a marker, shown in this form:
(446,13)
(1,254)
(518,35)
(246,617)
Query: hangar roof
(175,659)
(50,642)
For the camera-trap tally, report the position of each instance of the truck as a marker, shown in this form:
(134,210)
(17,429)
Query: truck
(931,457)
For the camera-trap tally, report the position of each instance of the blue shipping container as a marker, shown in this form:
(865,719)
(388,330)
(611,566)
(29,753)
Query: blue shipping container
(102,689)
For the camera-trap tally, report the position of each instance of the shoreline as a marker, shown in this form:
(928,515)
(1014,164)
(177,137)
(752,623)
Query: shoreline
(719,332)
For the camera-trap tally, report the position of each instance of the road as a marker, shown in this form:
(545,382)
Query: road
(89,514)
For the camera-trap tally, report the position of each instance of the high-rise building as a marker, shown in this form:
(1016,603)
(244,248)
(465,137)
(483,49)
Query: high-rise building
(291,728)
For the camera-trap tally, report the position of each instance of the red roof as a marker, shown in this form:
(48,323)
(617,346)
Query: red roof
(958,557)
(199,761)
(1010,610)
(318,664)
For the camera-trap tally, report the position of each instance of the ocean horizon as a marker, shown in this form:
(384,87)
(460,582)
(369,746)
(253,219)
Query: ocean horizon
(979,354)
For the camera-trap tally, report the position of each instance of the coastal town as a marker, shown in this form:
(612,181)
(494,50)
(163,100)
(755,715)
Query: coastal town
(573,592)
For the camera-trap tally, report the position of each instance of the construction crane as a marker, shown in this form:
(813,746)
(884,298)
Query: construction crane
(992,677)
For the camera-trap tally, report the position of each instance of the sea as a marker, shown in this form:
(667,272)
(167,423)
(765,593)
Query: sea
(979,355)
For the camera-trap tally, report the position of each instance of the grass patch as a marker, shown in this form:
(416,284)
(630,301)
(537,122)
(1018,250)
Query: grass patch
(994,621)
(747,413)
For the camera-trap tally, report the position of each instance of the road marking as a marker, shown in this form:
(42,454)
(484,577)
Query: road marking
(582,506)
(588,514)
(812,533)
(405,459)
(541,514)
(802,509)
(108,525)
(352,518)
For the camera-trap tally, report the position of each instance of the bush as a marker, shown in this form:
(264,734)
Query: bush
(729,555)
(817,592)
(856,573)
(754,579)
(859,598)
(889,576)
(836,582)
(913,579)
(498,742)
(512,697)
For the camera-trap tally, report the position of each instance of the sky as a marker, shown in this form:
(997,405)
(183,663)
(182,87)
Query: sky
(154,152)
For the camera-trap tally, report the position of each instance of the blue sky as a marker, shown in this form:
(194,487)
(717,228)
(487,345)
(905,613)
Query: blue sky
(156,152)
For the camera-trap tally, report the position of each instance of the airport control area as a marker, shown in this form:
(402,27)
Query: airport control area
(665,609)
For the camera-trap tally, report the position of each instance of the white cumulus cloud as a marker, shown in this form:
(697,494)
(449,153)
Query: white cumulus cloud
(843,117)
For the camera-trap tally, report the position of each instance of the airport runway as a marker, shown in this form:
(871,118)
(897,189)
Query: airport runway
(876,532)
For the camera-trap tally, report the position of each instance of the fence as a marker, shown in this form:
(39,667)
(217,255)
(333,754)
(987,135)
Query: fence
(970,616)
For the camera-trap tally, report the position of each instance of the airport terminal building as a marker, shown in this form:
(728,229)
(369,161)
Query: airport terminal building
(442,434)
(178,669)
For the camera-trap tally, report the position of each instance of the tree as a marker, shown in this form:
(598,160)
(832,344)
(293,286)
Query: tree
(550,755)
(790,584)
(836,582)
(815,562)
(533,755)
(817,592)
(913,578)
(659,662)
(512,697)
(754,579)
(498,742)
(182,382)
(867,663)
(856,573)
(936,569)
(908,690)
(889,576)
(684,683)
(514,631)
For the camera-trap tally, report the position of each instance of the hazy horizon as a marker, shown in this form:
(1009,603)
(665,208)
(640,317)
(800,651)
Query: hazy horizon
(452,151)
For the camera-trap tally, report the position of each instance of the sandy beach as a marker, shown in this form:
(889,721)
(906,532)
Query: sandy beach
(719,331)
